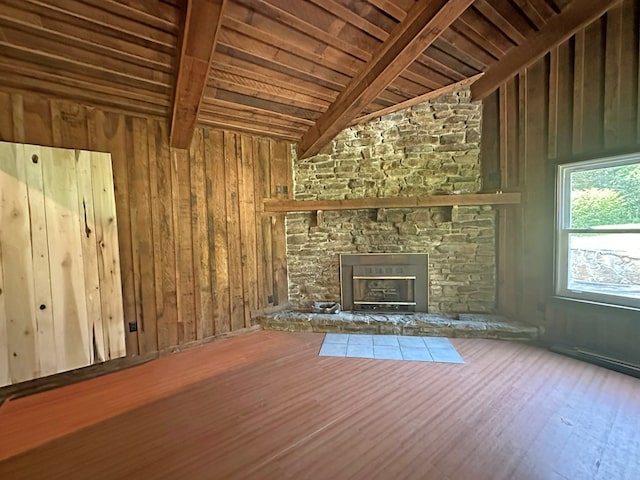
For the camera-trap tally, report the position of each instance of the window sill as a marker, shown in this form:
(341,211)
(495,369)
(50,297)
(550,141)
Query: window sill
(592,303)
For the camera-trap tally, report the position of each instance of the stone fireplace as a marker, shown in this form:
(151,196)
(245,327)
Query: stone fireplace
(392,282)
(428,149)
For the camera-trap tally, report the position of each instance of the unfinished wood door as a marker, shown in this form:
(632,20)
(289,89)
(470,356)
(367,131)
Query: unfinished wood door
(60,291)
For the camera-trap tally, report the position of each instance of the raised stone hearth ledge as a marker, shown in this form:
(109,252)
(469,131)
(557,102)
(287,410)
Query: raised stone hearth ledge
(467,325)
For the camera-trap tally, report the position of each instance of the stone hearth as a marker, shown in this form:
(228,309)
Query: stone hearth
(464,326)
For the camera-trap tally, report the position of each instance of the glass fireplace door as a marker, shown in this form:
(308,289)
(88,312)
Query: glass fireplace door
(384,289)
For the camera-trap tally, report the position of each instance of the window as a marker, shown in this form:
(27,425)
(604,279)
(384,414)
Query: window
(598,230)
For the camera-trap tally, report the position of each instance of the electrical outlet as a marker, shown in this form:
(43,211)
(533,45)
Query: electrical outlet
(133,327)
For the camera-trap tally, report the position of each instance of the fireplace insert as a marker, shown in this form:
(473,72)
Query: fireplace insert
(384,282)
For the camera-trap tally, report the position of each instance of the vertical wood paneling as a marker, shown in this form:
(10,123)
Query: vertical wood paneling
(554,100)
(5,376)
(210,183)
(154,198)
(234,243)
(593,86)
(90,255)
(578,91)
(201,252)
(142,241)
(108,133)
(19,308)
(623,32)
(535,126)
(184,248)
(564,85)
(166,260)
(262,188)
(248,205)
(6,118)
(65,259)
(40,254)
(197,255)
(278,242)
(580,99)
(109,270)
(613,76)
(490,164)
(217,166)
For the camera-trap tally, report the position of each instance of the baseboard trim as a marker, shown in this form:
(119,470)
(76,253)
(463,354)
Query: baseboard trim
(598,359)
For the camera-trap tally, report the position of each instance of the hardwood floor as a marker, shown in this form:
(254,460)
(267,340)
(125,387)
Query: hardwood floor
(266,406)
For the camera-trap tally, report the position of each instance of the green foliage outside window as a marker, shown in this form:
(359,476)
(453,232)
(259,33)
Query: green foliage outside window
(609,196)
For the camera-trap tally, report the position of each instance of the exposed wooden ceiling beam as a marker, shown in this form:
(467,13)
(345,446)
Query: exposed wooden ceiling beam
(558,29)
(452,87)
(423,24)
(200,33)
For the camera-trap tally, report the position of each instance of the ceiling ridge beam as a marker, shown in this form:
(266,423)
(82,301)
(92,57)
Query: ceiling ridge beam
(558,29)
(199,37)
(424,23)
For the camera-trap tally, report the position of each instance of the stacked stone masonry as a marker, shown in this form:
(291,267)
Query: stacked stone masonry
(432,148)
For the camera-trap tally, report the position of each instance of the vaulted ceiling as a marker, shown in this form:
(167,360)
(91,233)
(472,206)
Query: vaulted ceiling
(298,70)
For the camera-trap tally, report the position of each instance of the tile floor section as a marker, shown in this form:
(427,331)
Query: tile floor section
(390,347)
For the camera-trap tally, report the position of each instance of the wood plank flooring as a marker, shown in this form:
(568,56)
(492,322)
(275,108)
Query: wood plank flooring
(266,406)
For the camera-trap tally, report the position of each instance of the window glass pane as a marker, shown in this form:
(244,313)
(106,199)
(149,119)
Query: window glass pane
(602,197)
(607,264)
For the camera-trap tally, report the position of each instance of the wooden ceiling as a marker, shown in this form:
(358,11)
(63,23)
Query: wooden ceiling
(298,70)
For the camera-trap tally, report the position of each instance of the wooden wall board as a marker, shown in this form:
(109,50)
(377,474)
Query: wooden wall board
(141,234)
(40,255)
(171,208)
(581,99)
(18,317)
(200,226)
(621,65)
(5,372)
(87,228)
(278,241)
(184,248)
(262,189)
(68,292)
(234,243)
(109,269)
(217,165)
(161,172)
(109,133)
(154,198)
(593,86)
(248,204)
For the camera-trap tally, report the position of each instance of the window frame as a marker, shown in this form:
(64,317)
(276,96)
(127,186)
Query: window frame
(563,230)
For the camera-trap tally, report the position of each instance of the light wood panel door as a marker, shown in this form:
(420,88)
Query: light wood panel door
(60,285)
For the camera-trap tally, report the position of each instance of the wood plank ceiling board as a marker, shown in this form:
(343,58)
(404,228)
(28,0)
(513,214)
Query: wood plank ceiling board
(556,30)
(200,33)
(113,55)
(276,67)
(425,22)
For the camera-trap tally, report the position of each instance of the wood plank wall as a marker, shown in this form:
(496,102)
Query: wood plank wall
(197,256)
(581,99)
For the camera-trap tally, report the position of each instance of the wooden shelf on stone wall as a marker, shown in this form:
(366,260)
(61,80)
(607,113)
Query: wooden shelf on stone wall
(275,205)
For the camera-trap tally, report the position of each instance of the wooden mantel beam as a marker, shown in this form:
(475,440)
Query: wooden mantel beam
(423,24)
(200,33)
(578,14)
(273,205)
